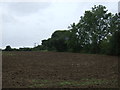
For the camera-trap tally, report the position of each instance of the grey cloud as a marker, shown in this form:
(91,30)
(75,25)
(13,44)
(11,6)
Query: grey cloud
(119,6)
(29,23)
(25,8)
(8,19)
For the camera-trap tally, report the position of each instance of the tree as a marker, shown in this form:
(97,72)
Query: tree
(59,40)
(73,42)
(25,49)
(114,24)
(115,44)
(94,33)
(48,44)
(93,27)
(8,48)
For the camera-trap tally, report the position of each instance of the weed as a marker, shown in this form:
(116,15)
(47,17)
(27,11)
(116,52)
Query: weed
(44,81)
(34,81)
(65,83)
(82,82)
(36,85)
(93,81)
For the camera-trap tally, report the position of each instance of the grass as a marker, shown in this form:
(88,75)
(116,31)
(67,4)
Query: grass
(65,83)
(93,82)
(82,82)
(36,85)
(8,54)
(86,82)
(44,50)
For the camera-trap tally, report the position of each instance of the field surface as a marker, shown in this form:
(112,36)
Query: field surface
(58,70)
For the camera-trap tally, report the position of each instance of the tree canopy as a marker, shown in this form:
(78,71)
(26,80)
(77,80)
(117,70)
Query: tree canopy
(94,33)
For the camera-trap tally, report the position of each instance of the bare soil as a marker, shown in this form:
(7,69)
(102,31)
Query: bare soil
(58,70)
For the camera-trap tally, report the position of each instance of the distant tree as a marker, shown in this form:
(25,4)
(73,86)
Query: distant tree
(8,48)
(25,49)
(14,49)
(39,48)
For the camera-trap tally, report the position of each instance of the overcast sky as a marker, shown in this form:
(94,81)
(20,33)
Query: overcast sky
(26,23)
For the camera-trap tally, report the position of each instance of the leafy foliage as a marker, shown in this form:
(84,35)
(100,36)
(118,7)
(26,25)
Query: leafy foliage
(115,44)
(8,48)
(92,34)
(58,41)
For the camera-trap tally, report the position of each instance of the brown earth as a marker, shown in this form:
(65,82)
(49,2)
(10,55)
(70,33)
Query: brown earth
(58,70)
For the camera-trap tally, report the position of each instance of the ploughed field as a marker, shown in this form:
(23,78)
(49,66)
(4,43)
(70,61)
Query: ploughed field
(58,70)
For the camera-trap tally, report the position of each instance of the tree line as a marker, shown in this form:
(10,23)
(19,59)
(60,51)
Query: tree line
(97,32)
